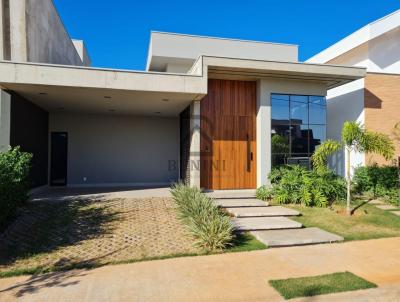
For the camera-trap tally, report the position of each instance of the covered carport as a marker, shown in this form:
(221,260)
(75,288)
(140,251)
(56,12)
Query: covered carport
(96,127)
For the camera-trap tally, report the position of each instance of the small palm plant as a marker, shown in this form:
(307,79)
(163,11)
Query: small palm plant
(354,138)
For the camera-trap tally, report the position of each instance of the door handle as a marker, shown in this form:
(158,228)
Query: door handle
(249,153)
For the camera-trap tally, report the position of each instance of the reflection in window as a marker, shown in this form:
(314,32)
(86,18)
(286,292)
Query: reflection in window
(298,127)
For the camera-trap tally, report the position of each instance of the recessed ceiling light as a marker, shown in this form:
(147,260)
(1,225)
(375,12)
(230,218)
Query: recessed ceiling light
(165,100)
(42,93)
(107,97)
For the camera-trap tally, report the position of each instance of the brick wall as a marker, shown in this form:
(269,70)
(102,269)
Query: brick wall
(382,109)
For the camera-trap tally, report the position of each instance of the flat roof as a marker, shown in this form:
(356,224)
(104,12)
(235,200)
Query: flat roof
(96,90)
(182,49)
(220,38)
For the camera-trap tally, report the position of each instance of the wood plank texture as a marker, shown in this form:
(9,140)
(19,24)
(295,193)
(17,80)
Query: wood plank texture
(228,135)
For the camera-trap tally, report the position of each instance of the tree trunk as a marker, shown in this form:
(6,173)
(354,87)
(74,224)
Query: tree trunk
(348,178)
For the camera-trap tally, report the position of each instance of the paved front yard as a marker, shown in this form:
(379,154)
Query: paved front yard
(85,231)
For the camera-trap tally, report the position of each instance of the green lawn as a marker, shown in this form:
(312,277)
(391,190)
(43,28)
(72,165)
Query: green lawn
(367,222)
(245,242)
(319,285)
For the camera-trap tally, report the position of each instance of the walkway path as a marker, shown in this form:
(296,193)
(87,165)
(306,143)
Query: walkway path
(386,207)
(270,224)
(225,277)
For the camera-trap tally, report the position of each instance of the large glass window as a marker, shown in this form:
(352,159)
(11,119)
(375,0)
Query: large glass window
(298,127)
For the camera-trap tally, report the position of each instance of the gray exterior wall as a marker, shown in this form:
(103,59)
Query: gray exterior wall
(177,52)
(29,130)
(184,129)
(5,108)
(32,31)
(119,150)
(47,39)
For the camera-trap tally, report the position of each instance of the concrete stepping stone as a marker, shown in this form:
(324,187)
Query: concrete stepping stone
(376,202)
(396,213)
(240,202)
(387,207)
(228,194)
(280,238)
(264,223)
(262,211)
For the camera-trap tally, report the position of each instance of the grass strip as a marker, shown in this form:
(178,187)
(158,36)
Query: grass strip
(320,285)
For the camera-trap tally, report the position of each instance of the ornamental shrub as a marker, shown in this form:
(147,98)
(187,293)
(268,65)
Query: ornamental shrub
(14,181)
(378,181)
(296,184)
(211,228)
(264,193)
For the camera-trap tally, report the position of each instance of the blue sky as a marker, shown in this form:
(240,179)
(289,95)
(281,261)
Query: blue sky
(117,32)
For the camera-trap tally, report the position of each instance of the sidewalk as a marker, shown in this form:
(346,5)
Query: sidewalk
(227,277)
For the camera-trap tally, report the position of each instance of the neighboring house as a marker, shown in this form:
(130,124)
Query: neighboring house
(216,113)
(375,100)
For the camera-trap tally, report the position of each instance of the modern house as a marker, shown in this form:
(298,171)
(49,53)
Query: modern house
(374,100)
(216,113)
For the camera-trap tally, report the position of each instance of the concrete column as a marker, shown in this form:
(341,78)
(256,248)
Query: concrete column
(5,119)
(263,133)
(1,31)
(195,144)
(18,31)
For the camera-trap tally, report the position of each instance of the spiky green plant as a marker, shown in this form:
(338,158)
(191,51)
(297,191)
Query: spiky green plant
(354,138)
(321,155)
(211,228)
(264,193)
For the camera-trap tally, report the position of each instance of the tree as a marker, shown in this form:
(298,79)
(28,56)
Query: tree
(354,138)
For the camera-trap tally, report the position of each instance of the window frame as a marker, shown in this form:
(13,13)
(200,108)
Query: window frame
(290,124)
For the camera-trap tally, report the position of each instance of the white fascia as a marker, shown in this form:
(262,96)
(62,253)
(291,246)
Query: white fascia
(359,37)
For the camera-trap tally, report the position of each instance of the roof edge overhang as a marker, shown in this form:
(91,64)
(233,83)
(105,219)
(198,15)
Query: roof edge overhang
(99,78)
(193,83)
(357,38)
(332,75)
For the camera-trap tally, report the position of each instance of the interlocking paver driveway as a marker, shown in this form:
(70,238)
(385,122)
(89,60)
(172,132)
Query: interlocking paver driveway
(87,230)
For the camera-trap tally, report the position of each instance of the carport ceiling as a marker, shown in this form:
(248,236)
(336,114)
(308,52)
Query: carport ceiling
(103,101)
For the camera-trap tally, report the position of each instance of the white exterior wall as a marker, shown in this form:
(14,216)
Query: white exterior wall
(82,51)
(381,54)
(119,150)
(5,119)
(376,47)
(345,103)
(384,53)
(380,39)
(265,88)
(183,50)
(194,164)
(178,68)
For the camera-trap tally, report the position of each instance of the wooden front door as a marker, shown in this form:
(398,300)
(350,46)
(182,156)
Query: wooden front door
(228,135)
